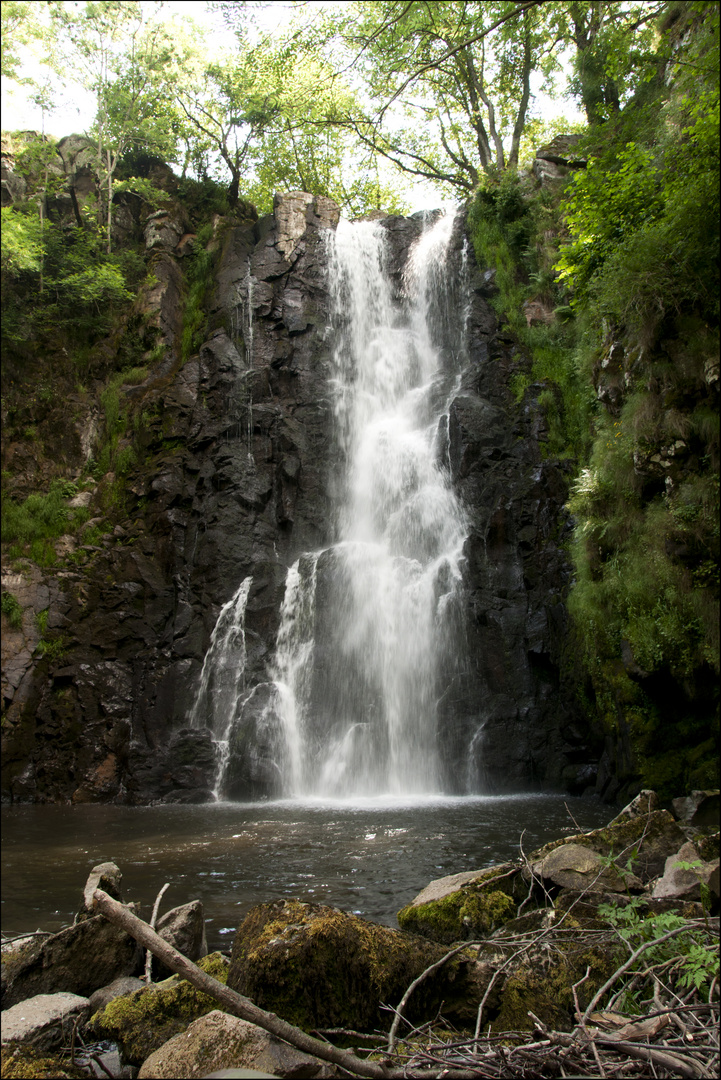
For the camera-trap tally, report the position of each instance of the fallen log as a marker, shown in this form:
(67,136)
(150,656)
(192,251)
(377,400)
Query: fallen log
(231,1001)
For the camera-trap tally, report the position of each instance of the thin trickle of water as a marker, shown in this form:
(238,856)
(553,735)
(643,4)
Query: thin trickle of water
(222,678)
(248,336)
(362,635)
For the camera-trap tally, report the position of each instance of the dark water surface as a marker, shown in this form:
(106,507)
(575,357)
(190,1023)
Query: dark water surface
(370,857)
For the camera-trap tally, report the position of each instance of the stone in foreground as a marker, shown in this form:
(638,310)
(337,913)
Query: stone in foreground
(184,929)
(678,883)
(44,1021)
(76,960)
(573,866)
(219,1041)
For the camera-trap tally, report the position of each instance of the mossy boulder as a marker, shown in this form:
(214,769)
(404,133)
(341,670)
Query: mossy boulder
(317,966)
(464,907)
(142,1021)
(463,916)
(707,846)
(646,840)
(543,979)
(21,1062)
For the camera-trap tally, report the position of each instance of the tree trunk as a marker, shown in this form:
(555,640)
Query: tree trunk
(110,198)
(523,104)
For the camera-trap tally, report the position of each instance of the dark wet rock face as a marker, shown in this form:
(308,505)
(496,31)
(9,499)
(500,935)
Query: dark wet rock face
(236,481)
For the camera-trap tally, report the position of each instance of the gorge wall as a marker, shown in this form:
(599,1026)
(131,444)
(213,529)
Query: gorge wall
(233,479)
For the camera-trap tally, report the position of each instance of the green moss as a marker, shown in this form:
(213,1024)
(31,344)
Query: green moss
(142,1021)
(20,1062)
(462,915)
(473,911)
(12,610)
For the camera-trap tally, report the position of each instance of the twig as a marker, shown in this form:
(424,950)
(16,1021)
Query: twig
(681,1066)
(416,982)
(572,817)
(30,933)
(631,960)
(153,917)
(101,1065)
(582,1022)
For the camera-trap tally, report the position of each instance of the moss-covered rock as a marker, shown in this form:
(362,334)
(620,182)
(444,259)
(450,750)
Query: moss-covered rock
(20,1062)
(646,840)
(707,846)
(317,966)
(464,915)
(465,906)
(542,983)
(142,1021)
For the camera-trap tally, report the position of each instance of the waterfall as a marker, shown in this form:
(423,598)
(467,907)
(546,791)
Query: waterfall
(222,677)
(365,622)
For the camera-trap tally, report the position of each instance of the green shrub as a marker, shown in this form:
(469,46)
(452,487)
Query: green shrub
(199,268)
(12,610)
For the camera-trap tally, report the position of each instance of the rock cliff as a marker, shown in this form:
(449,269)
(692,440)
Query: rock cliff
(232,479)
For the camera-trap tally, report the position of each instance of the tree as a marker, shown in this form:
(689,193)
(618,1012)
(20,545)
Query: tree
(22,242)
(20,26)
(115,50)
(273,113)
(613,49)
(447,83)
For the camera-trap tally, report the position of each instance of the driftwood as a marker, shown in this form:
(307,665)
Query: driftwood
(153,920)
(231,1001)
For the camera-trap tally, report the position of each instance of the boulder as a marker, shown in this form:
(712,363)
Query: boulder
(143,1021)
(541,979)
(164,228)
(44,1021)
(640,843)
(290,215)
(643,804)
(700,808)
(573,866)
(686,884)
(184,929)
(219,1041)
(464,906)
(77,960)
(127,984)
(319,967)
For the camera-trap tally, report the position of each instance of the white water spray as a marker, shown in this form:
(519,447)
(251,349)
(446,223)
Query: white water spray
(364,622)
(222,679)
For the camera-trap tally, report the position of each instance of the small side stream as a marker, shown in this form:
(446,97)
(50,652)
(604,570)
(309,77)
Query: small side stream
(367,856)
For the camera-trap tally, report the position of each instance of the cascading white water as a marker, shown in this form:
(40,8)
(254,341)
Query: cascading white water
(222,677)
(364,622)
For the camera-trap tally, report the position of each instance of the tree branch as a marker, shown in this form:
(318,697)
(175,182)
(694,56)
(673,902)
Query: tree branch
(451,52)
